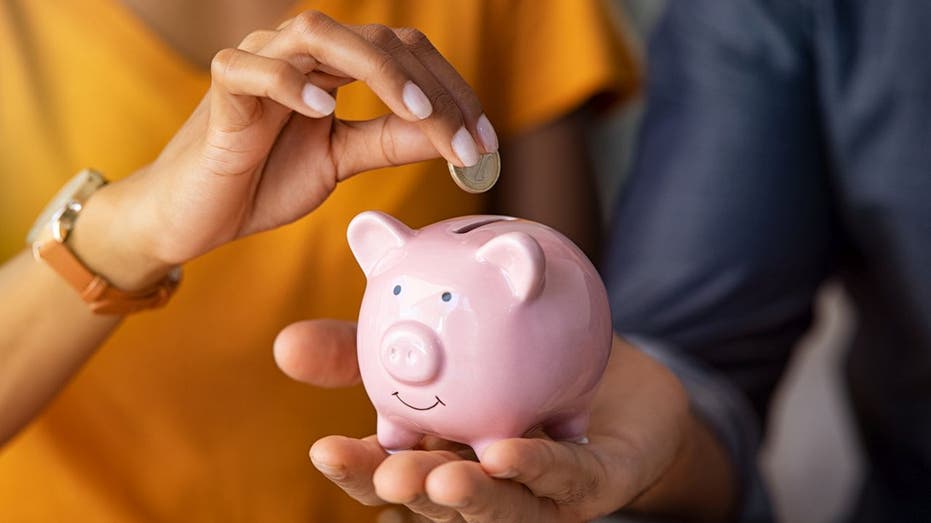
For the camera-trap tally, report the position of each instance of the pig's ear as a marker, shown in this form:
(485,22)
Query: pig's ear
(373,234)
(520,259)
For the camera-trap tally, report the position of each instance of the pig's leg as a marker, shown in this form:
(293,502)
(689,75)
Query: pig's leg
(394,437)
(572,427)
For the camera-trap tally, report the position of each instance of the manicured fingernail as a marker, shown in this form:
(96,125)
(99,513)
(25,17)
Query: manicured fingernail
(465,148)
(318,99)
(415,101)
(487,134)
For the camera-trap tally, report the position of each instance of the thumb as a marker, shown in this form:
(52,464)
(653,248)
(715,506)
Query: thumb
(319,352)
(381,142)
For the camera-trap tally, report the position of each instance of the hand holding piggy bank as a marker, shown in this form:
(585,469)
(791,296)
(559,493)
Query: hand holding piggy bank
(477,329)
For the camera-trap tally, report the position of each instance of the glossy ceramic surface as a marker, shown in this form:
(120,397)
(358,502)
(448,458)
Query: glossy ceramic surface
(477,328)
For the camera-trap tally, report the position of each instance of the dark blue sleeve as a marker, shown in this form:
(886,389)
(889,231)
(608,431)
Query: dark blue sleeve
(723,232)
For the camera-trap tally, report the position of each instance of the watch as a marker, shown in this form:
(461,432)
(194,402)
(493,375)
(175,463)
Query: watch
(49,236)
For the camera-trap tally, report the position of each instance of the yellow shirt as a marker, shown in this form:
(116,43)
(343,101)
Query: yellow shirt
(182,414)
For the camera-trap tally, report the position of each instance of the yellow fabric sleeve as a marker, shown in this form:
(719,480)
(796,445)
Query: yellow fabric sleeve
(560,54)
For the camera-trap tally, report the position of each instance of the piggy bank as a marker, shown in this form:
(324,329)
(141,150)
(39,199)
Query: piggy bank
(477,329)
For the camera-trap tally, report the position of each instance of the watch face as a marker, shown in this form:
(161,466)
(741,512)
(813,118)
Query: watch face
(78,189)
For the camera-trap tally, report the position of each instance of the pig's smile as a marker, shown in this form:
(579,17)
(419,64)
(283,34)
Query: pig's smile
(406,404)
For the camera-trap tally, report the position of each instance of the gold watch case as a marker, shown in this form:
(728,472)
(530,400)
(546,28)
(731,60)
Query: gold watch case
(63,208)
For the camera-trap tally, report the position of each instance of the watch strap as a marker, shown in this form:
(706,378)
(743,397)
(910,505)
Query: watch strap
(96,291)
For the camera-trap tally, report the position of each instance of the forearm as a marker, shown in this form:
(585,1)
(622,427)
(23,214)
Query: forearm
(48,330)
(48,333)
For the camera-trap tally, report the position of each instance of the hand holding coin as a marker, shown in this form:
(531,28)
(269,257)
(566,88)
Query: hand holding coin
(479,177)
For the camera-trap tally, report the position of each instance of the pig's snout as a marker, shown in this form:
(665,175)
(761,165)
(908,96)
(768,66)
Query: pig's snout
(411,352)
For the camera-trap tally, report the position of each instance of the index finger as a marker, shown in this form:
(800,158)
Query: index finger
(403,81)
(315,35)
(447,75)
(464,486)
(596,477)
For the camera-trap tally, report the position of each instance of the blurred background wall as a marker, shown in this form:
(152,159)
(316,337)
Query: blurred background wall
(811,460)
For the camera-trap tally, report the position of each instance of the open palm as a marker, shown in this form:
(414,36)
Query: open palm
(638,430)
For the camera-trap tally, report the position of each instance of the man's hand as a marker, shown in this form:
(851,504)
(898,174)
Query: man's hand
(647,453)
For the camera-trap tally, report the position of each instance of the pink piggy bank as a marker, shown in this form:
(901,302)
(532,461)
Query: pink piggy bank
(477,329)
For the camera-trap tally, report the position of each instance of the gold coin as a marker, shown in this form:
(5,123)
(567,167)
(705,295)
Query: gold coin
(480,177)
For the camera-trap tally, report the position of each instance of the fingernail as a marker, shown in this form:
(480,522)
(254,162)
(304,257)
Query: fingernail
(506,474)
(330,471)
(462,503)
(318,99)
(415,101)
(486,133)
(465,148)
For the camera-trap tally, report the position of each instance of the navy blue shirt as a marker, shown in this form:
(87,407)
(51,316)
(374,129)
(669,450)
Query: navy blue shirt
(787,142)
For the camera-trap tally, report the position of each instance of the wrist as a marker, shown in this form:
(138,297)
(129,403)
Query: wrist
(699,485)
(111,237)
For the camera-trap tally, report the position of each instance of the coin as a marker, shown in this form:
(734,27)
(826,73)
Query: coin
(479,177)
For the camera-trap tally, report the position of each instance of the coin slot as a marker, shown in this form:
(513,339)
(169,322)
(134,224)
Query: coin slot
(475,225)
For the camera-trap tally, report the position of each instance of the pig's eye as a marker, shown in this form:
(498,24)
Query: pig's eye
(446,296)
(397,290)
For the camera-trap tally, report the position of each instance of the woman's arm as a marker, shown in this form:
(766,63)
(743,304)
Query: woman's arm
(48,332)
(261,150)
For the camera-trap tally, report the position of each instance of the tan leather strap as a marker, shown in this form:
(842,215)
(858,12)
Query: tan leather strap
(96,291)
